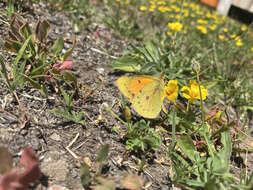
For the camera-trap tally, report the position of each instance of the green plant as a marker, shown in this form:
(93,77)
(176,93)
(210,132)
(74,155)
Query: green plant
(141,137)
(68,111)
(99,181)
(38,57)
(81,11)
(14,6)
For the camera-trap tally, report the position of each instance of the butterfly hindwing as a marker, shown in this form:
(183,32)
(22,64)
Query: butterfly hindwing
(148,101)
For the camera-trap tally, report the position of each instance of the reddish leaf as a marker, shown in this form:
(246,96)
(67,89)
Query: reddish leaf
(19,179)
(66,65)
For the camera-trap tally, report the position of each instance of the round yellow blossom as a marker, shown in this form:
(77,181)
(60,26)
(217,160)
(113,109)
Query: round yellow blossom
(208,15)
(221,37)
(225,30)
(251,49)
(192,92)
(213,27)
(171,91)
(143,8)
(239,43)
(200,21)
(185,4)
(163,9)
(243,28)
(161,3)
(202,29)
(192,15)
(175,26)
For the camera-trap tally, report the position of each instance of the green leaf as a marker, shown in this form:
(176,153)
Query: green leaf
(4,74)
(25,30)
(58,46)
(128,64)
(69,76)
(85,174)
(67,54)
(103,153)
(185,143)
(34,83)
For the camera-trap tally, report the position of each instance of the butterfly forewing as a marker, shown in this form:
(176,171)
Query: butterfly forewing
(131,86)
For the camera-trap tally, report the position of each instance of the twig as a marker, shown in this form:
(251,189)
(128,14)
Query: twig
(70,144)
(103,53)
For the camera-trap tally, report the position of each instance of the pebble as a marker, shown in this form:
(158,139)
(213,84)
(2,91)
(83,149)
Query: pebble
(55,137)
(57,187)
(55,166)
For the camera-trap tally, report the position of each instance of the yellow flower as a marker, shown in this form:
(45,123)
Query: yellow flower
(213,27)
(221,37)
(239,43)
(161,3)
(171,91)
(200,21)
(208,15)
(225,30)
(202,29)
(243,28)
(192,93)
(143,8)
(175,26)
(251,49)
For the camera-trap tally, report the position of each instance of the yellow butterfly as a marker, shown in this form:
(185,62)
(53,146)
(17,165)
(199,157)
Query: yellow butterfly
(144,92)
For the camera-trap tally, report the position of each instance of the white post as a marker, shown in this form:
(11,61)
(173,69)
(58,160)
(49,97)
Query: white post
(223,6)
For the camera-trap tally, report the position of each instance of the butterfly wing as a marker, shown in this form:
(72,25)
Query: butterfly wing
(148,102)
(130,86)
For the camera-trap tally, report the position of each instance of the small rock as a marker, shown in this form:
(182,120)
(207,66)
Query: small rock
(55,137)
(55,166)
(57,187)
(100,70)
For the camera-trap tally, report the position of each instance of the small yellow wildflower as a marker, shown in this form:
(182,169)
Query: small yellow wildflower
(239,43)
(161,3)
(251,49)
(200,21)
(221,37)
(186,4)
(243,28)
(235,37)
(225,30)
(213,27)
(208,15)
(162,9)
(192,92)
(143,8)
(118,1)
(171,91)
(202,29)
(152,8)
(169,33)
(192,15)
(175,26)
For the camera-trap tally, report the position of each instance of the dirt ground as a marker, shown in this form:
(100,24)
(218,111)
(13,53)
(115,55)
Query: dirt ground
(49,135)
